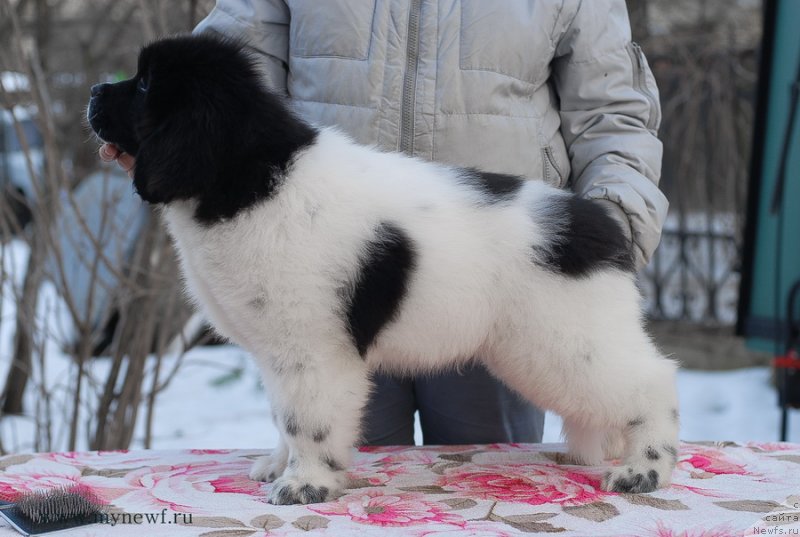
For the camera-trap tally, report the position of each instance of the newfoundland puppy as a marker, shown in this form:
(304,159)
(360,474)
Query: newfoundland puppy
(328,260)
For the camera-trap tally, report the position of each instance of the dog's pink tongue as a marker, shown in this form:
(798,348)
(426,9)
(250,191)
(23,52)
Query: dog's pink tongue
(108,152)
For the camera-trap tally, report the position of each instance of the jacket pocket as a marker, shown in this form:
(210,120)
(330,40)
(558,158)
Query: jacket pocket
(644,83)
(331,28)
(507,38)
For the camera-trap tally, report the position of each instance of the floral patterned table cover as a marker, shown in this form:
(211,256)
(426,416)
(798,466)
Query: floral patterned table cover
(478,490)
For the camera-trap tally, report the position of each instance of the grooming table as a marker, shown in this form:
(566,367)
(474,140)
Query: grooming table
(477,490)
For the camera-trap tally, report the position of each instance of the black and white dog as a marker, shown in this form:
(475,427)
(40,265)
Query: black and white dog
(327,260)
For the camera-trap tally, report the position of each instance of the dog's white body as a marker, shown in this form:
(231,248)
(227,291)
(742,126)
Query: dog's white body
(270,279)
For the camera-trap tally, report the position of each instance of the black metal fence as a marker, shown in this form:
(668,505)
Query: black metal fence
(707,79)
(693,276)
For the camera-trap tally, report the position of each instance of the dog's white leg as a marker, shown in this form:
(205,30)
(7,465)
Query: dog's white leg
(318,403)
(269,467)
(651,435)
(618,381)
(585,443)
(628,386)
(614,444)
(602,374)
(639,399)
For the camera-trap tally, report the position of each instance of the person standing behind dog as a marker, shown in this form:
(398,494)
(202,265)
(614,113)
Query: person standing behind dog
(546,89)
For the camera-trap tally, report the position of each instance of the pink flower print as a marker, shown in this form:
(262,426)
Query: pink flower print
(713,462)
(379,468)
(534,485)
(511,446)
(773,446)
(409,458)
(699,491)
(472,528)
(238,484)
(187,488)
(382,449)
(405,462)
(210,451)
(458,448)
(101,459)
(40,475)
(400,509)
(720,531)
(368,470)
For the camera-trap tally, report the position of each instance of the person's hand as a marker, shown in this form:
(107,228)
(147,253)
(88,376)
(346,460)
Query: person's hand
(109,152)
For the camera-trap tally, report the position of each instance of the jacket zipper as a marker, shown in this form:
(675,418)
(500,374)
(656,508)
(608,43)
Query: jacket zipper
(641,84)
(550,162)
(410,80)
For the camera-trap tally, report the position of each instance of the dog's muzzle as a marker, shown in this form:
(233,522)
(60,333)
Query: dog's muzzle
(94,110)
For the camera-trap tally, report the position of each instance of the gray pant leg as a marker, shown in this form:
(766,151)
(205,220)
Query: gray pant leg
(389,415)
(474,408)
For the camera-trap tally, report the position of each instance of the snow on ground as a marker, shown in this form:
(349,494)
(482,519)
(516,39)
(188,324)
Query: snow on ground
(207,407)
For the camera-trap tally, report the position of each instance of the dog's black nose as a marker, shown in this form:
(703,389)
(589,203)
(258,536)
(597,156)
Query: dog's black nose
(97,89)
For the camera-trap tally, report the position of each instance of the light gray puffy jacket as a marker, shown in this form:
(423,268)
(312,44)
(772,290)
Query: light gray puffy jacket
(549,89)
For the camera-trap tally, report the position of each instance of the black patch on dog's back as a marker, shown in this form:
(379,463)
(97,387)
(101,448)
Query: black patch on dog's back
(494,187)
(586,238)
(374,298)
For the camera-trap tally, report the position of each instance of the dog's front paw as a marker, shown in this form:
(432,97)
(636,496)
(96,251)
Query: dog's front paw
(632,479)
(269,467)
(294,490)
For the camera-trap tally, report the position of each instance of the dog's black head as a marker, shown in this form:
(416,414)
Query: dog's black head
(201,125)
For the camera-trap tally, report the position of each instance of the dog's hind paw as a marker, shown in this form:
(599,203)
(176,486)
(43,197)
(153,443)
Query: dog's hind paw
(632,480)
(291,490)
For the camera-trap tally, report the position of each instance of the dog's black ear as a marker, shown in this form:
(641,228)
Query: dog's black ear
(177,161)
(212,132)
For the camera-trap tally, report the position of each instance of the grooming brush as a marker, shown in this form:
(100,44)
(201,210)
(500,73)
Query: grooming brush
(55,509)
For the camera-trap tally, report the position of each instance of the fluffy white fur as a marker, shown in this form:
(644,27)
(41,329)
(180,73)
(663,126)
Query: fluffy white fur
(270,278)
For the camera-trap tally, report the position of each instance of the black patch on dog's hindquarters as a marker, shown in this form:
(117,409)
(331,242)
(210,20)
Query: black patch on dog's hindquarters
(651,453)
(374,298)
(585,238)
(494,187)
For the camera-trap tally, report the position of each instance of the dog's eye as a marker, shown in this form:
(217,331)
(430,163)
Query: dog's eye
(142,85)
